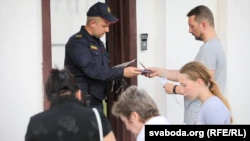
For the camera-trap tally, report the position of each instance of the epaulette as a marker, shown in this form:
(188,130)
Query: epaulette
(78,36)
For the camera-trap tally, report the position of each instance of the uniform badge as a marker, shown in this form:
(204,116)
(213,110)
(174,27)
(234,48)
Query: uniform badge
(109,10)
(93,47)
(79,36)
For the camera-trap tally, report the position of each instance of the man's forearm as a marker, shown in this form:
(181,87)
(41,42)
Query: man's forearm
(172,75)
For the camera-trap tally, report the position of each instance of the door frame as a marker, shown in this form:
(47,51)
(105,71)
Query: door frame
(46,47)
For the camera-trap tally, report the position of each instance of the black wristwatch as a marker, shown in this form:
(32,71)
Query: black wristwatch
(174,89)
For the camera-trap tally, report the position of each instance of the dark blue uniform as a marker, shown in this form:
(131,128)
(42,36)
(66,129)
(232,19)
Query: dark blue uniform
(87,58)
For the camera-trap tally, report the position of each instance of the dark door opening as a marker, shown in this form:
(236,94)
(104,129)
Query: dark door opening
(122,47)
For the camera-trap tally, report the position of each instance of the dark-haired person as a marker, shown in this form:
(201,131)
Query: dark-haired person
(66,119)
(211,53)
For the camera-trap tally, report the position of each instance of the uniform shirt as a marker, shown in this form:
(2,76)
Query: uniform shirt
(214,111)
(87,58)
(68,121)
(213,56)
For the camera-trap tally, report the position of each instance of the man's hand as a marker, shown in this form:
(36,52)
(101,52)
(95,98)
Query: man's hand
(155,72)
(132,71)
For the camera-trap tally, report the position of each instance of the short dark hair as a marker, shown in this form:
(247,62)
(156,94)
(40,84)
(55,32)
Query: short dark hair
(202,12)
(60,86)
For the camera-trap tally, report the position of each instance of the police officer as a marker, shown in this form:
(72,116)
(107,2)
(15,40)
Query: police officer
(87,58)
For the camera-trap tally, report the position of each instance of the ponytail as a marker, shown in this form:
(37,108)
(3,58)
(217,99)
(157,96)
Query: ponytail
(61,86)
(214,88)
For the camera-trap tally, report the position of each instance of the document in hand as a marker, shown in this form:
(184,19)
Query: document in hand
(164,80)
(124,64)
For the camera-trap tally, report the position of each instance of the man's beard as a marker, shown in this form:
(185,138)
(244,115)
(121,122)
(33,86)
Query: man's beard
(199,38)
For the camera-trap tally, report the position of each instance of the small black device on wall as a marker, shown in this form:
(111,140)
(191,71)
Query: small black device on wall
(144,38)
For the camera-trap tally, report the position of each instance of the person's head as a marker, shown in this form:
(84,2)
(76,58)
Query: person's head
(61,86)
(195,79)
(200,21)
(99,17)
(135,107)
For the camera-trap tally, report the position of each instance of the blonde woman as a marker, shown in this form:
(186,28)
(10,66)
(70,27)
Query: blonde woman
(137,109)
(198,84)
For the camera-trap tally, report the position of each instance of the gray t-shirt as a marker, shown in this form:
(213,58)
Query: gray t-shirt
(213,56)
(214,111)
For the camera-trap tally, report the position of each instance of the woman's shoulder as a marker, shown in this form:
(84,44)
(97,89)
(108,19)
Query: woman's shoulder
(214,105)
(213,101)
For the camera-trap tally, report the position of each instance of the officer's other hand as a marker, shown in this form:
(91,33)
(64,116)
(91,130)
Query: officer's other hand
(155,72)
(132,71)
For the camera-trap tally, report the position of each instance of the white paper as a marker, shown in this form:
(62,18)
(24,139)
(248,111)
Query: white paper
(124,64)
(164,80)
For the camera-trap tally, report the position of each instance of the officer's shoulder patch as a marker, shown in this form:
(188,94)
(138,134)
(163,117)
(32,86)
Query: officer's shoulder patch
(93,47)
(78,36)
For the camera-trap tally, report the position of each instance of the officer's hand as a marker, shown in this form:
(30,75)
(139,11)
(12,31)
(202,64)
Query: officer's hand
(155,72)
(132,71)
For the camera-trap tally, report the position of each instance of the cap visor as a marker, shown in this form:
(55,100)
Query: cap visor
(111,19)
